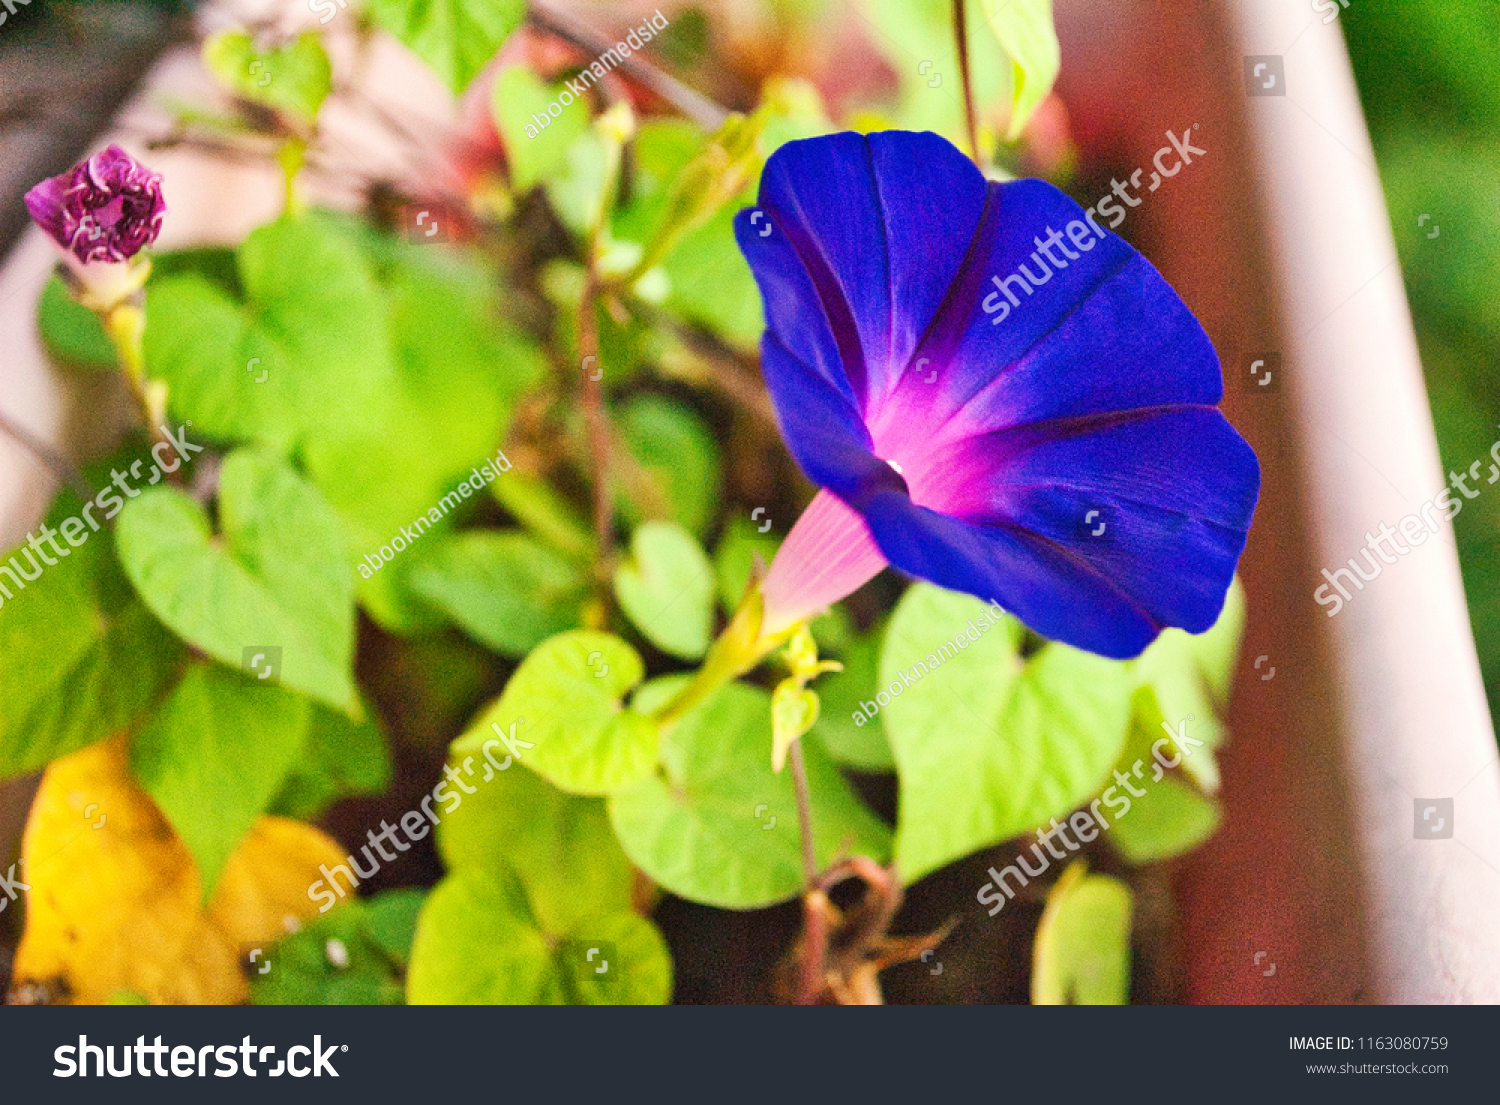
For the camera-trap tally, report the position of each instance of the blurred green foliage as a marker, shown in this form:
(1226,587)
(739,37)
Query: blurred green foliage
(1429,78)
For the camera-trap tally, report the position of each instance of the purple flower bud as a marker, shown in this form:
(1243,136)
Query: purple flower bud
(107,209)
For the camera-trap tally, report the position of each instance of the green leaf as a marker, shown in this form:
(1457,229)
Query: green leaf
(105,660)
(307,353)
(559,844)
(71,332)
(711,284)
(507,590)
(535,154)
(716,825)
(340,758)
(1082,950)
(565,699)
(674,447)
(459,371)
(988,745)
(295,78)
(708,280)
(275,576)
(478,943)
(1172,817)
(457,38)
(842,728)
(1186,678)
(351,956)
(391,921)
(915,32)
(1026,33)
(666,588)
(630,964)
(1170,820)
(213,756)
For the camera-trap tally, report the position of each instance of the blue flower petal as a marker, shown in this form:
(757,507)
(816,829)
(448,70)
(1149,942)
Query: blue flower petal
(879,226)
(1125,508)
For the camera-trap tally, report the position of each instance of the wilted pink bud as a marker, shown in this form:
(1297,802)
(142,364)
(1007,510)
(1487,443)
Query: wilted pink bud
(107,209)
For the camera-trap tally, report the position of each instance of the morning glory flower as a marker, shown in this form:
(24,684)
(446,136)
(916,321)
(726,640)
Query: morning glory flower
(106,209)
(993,393)
(101,214)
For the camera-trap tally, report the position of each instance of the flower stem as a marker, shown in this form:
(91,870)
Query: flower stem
(125,323)
(804,814)
(738,649)
(616,127)
(961,35)
(598,426)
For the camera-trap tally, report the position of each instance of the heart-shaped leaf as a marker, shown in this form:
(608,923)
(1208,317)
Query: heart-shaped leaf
(305,353)
(276,576)
(666,588)
(478,943)
(564,701)
(351,956)
(988,745)
(456,37)
(1082,950)
(106,659)
(518,99)
(119,907)
(559,844)
(716,824)
(213,756)
(295,78)
(506,589)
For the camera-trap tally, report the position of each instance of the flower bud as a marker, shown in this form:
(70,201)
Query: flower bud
(106,209)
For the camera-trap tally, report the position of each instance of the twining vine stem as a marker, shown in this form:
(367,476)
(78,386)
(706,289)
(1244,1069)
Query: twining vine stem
(598,427)
(814,902)
(961,34)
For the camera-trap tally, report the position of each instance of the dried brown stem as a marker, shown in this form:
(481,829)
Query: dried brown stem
(961,35)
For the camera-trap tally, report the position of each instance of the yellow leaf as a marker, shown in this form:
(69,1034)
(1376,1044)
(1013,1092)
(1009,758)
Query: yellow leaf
(116,907)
